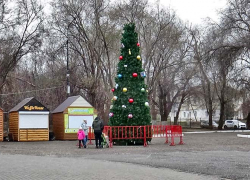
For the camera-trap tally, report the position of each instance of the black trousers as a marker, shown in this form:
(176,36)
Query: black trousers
(80,143)
(98,138)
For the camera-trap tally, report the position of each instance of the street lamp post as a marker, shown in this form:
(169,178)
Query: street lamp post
(67,75)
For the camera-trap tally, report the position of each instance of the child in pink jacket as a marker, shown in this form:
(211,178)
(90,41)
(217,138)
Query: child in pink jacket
(81,136)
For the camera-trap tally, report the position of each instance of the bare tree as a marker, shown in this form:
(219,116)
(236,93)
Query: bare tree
(188,89)
(93,46)
(20,33)
(202,58)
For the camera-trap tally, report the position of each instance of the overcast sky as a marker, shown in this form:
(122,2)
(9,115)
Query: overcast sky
(195,11)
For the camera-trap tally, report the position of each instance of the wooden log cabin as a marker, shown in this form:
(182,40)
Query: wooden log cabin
(69,115)
(1,124)
(29,121)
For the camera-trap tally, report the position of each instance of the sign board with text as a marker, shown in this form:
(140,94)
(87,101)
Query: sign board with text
(75,117)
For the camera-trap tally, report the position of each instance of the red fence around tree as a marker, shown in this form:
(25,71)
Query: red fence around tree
(143,133)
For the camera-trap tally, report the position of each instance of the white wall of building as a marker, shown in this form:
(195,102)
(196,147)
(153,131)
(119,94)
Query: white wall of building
(195,115)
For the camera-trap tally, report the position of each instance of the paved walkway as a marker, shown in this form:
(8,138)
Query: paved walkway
(23,167)
(203,156)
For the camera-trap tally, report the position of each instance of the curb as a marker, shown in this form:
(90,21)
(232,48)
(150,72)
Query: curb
(242,135)
(202,132)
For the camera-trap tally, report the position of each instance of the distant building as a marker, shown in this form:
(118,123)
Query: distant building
(195,110)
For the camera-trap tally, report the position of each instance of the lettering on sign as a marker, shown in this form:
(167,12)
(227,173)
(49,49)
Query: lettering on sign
(80,111)
(30,108)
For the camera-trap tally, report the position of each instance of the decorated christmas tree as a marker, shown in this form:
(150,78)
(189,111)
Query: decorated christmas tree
(130,100)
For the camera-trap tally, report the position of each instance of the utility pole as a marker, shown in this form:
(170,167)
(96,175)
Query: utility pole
(67,75)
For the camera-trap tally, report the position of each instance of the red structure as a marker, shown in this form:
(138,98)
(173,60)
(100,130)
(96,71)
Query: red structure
(139,132)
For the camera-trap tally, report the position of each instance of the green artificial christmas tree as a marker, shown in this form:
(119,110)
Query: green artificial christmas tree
(130,100)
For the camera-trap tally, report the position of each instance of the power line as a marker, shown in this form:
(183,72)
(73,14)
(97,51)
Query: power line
(31,91)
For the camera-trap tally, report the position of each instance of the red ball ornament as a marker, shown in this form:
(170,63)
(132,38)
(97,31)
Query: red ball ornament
(130,116)
(120,57)
(131,100)
(113,90)
(135,74)
(138,44)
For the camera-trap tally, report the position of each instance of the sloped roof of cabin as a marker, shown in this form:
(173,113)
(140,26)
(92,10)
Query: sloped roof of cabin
(29,102)
(21,104)
(70,101)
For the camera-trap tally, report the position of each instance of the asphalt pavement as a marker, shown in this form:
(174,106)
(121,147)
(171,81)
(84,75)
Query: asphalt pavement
(36,167)
(204,156)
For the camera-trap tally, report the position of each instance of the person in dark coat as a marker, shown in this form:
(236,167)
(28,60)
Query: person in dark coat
(97,125)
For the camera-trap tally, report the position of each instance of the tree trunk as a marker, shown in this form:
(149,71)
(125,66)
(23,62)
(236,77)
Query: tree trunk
(210,105)
(248,121)
(163,109)
(1,92)
(210,112)
(222,115)
(153,107)
(162,103)
(153,112)
(164,117)
(222,101)
(179,108)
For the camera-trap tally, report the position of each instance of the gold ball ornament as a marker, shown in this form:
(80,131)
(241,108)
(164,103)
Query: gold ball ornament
(129,52)
(124,89)
(138,57)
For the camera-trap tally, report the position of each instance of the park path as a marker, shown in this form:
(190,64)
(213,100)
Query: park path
(24,167)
